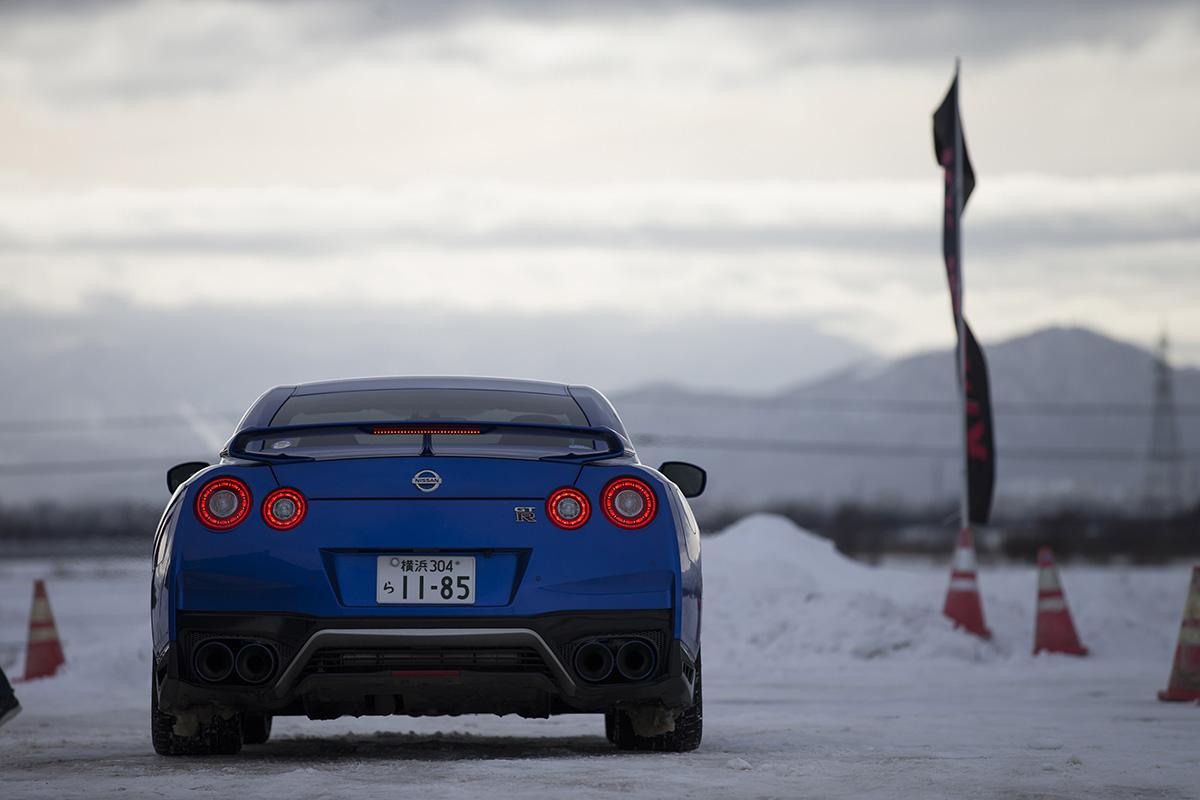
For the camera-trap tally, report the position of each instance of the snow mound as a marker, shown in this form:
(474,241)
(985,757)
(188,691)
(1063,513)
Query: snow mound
(777,597)
(770,541)
(776,594)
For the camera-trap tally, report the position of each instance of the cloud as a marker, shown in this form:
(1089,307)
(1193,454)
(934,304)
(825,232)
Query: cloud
(761,159)
(1017,214)
(859,258)
(141,51)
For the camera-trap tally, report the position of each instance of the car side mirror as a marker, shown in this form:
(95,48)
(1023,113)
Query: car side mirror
(690,479)
(178,474)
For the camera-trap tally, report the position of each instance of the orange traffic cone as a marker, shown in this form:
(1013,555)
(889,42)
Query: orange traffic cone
(962,598)
(44,655)
(1185,670)
(1054,631)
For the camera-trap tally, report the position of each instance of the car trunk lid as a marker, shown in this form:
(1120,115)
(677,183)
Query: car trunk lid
(426,477)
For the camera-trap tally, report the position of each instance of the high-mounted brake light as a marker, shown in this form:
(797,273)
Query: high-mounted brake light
(284,508)
(223,503)
(568,508)
(628,503)
(425,430)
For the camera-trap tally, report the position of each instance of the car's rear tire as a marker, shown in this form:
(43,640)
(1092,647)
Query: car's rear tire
(215,734)
(256,728)
(689,728)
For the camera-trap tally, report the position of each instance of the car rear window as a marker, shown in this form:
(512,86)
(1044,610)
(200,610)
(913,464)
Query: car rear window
(395,405)
(426,405)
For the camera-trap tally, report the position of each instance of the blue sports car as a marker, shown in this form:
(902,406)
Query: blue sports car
(427,546)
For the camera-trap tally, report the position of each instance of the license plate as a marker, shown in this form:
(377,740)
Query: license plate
(425,580)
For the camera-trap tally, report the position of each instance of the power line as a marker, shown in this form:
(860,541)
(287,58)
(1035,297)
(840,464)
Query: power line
(30,468)
(860,405)
(102,423)
(887,449)
(833,405)
(894,450)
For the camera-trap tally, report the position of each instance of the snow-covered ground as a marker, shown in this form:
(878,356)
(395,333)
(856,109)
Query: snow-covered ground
(823,678)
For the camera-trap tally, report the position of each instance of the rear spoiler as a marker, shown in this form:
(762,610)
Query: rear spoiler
(236,447)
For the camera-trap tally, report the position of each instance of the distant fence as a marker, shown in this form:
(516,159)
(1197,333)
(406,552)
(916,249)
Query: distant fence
(869,532)
(860,530)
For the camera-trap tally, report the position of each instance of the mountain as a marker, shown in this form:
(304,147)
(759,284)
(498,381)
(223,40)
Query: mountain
(155,388)
(1054,365)
(1071,415)
(152,387)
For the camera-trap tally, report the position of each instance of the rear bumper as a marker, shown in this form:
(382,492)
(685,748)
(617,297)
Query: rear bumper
(328,667)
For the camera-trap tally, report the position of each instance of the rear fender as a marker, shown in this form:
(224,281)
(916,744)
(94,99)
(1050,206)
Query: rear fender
(186,531)
(669,527)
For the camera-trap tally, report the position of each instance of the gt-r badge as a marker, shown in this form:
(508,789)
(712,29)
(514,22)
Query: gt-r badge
(525,514)
(427,480)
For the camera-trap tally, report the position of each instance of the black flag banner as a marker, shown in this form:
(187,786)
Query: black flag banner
(978,442)
(948,142)
(981,451)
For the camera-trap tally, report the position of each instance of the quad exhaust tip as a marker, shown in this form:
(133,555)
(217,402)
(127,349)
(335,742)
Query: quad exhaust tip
(635,660)
(597,660)
(213,661)
(255,663)
(593,661)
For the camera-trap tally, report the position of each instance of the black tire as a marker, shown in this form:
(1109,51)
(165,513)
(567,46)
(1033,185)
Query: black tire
(218,736)
(256,728)
(689,728)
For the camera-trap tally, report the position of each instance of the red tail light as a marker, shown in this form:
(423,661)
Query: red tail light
(223,503)
(568,508)
(283,509)
(629,503)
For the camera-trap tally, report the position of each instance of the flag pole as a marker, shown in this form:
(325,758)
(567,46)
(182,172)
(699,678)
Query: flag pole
(964,501)
(963,604)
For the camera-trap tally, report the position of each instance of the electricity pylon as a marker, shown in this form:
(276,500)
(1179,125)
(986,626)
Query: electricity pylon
(1163,491)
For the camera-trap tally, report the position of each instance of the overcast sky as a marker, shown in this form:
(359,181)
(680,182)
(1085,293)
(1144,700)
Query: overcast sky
(723,162)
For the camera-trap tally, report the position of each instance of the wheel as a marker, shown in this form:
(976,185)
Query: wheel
(215,734)
(689,728)
(256,728)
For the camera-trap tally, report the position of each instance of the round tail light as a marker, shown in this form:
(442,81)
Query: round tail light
(629,503)
(284,508)
(223,503)
(568,508)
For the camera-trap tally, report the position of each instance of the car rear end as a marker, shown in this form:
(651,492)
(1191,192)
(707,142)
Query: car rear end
(393,566)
